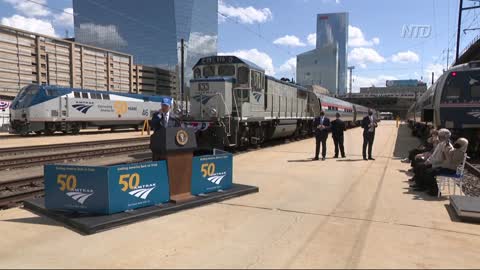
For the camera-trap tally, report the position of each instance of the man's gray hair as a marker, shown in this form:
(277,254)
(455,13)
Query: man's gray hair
(444,133)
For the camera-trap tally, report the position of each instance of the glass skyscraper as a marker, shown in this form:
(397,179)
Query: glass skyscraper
(150,30)
(326,65)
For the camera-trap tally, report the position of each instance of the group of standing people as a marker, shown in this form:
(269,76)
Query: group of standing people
(323,125)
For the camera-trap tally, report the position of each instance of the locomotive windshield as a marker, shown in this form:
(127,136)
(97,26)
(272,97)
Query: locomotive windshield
(226,70)
(243,74)
(197,73)
(209,71)
(25,96)
(461,86)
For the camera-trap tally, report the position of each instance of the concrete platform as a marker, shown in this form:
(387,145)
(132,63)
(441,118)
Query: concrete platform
(91,224)
(333,214)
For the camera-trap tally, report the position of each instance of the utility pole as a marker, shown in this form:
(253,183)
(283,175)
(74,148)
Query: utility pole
(350,69)
(433,78)
(182,71)
(460,9)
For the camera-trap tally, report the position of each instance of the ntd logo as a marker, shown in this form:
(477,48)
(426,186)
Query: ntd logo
(416,31)
(131,183)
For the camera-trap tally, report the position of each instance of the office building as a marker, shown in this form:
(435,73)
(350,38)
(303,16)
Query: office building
(150,30)
(326,65)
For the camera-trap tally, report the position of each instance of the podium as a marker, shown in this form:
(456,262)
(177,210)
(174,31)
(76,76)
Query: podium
(176,146)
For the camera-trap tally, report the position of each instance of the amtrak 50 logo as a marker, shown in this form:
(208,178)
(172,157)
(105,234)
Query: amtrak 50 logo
(208,171)
(69,183)
(131,184)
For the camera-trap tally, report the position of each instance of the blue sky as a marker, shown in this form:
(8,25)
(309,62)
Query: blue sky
(273,32)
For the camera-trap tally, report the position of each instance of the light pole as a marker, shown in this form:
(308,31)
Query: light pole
(350,69)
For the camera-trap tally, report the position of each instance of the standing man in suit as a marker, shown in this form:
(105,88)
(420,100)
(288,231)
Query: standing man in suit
(338,128)
(322,125)
(164,118)
(369,124)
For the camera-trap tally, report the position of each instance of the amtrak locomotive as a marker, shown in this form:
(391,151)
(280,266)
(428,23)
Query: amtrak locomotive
(48,109)
(452,102)
(236,104)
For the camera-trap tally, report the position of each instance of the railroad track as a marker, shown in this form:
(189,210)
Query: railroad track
(64,146)
(17,158)
(473,168)
(14,192)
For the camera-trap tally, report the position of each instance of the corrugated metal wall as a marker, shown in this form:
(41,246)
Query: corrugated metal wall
(27,58)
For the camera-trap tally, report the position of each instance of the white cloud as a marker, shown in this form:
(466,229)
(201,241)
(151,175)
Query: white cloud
(30,24)
(104,35)
(436,68)
(405,57)
(312,39)
(363,56)
(202,44)
(288,40)
(378,81)
(29,8)
(248,15)
(357,39)
(65,18)
(289,67)
(260,58)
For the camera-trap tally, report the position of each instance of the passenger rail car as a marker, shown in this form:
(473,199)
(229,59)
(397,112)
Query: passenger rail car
(234,104)
(452,102)
(48,109)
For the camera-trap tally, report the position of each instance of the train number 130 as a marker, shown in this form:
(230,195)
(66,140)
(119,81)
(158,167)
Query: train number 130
(208,169)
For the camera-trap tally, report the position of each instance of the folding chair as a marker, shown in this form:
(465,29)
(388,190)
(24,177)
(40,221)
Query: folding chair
(457,179)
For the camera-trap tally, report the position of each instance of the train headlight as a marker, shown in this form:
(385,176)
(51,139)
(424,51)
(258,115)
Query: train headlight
(213,112)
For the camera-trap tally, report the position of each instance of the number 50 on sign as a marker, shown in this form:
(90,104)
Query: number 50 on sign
(208,169)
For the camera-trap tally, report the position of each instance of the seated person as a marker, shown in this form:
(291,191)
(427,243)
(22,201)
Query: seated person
(431,143)
(454,159)
(425,155)
(436,159)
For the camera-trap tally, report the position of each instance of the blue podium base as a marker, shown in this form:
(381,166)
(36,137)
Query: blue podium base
(90,224)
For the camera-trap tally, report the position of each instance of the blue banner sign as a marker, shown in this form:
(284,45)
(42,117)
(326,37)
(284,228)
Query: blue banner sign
(106,190)
(212,173)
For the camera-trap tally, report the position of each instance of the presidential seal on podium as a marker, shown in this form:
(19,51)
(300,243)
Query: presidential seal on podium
(182,137)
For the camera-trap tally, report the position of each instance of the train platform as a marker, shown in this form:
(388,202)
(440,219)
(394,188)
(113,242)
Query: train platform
(8,140)
(345,213)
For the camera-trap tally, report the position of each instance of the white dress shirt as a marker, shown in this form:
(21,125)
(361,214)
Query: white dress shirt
(438,158)
(372,123)
(165,117)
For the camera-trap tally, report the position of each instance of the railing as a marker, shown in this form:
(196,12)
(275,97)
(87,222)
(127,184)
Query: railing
(475,40)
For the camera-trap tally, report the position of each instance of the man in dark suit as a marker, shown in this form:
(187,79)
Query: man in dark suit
(338,128)
(322,125)
(369,124)
(164,118)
